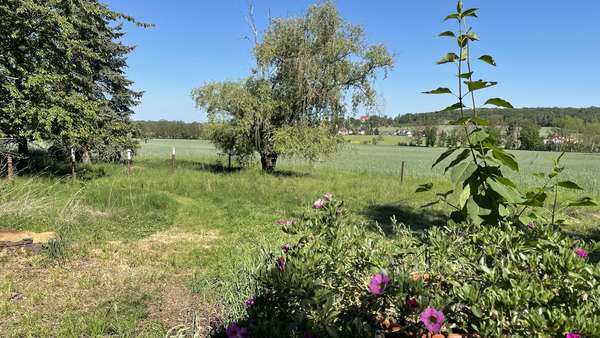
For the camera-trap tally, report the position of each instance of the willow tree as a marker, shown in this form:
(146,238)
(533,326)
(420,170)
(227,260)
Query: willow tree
(310,72)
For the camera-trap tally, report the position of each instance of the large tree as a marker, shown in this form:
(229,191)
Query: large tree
(310,70)
(62,73)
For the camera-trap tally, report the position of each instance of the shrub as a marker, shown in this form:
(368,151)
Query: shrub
(341,279)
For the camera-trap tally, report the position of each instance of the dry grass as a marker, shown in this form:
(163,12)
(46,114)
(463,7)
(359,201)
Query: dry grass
(32,288)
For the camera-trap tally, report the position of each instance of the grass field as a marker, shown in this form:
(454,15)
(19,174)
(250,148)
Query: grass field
(144,253)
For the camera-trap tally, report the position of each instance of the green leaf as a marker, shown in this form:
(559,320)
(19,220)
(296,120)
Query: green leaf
(459,6)
(451,16)
(464,196)
(444,156)
(478,121)
(454,107)
(466,75)
(469,12)
(430,204)
(473,36)
(488,59)
(462,172)
(447,34)
(477,136)
(439,91)
(498,102)
(505,158)
(462,40)
(480,84)
(461,157)
(569,185)
(424,187)
(450,57)
(510,194)
(583,202)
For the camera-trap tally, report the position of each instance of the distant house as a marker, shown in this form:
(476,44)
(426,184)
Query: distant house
(344,132)
(364,118)
(558,139)
(404,132)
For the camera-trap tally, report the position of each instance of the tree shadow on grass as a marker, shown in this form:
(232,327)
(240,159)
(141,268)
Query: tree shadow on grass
(288,173)
(415,219)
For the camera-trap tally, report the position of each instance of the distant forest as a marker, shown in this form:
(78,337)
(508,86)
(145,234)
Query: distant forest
(164,129)
(543,117)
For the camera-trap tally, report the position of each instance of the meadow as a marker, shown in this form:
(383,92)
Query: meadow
(139,255)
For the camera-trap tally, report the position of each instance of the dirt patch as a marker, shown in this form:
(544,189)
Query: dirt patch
(18,236)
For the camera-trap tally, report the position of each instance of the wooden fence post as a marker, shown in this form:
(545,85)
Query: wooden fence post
(402,173)
(173,158)
(9,167)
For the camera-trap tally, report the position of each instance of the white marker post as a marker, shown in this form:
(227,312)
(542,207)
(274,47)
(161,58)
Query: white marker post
(9,167)
(173,158)
(128,161)
(73,173)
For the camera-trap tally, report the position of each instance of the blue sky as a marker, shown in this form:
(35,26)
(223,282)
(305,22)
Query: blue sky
(548,51)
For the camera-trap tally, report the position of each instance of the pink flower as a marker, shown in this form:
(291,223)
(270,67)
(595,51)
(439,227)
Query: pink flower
(280,263)
(250,302)
(433,319)
(234,331)
(319,203)
(412,304)
(573,335)
(328,196)
(286,222)
(285,248)
(531,225)
(378,284)
(581,252)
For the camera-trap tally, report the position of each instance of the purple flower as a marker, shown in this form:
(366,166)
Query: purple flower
(280,263)
(581,252)
(250,302)
(378,284)
(433,319)
(285,248)
(412,304)
(281,222)
(328,196)
(319,203)
(234,331)
(572,335)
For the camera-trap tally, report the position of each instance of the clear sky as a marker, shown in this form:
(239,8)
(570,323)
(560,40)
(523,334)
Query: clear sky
(548,51)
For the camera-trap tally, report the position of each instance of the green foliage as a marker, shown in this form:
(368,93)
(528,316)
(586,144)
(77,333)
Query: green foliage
(529,137)
(62,74)
(486,195)
(306,66)
(489,281)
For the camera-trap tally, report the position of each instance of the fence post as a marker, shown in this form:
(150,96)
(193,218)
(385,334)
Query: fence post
(73,172)
(173,158)
(128,161)
(402,173)
(9,167)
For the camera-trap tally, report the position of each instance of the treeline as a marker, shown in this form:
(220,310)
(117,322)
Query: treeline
(164,129)
(543,117)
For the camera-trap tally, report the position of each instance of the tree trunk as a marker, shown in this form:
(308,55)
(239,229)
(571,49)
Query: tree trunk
(85,156)
(23,150)
(268,162)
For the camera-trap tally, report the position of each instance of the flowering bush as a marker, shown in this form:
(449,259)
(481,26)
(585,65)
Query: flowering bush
(339,279)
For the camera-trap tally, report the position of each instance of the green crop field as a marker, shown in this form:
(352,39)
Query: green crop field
(163,247)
